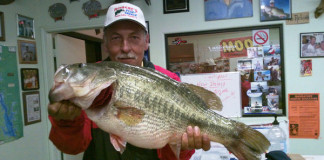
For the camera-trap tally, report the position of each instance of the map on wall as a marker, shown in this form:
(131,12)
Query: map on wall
(11,126)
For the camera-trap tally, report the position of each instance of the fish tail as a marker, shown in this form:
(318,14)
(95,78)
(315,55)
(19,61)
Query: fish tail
(249,145)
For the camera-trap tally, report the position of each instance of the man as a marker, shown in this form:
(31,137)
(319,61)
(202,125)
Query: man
(28,55)
(259,77)
(126,39)
(271,12)
(271,50)
(320,50)
(309,49)
(224,9)
(274,74)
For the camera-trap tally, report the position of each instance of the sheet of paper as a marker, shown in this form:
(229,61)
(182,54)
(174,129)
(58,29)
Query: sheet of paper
(304,115)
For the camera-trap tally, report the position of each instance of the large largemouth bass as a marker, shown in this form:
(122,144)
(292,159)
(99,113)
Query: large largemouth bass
(148,109)
(275,12)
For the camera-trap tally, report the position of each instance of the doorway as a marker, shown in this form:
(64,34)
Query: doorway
(79,46)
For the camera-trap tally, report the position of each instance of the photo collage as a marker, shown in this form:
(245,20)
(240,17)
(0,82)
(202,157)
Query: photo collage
(261,80)
(254,53)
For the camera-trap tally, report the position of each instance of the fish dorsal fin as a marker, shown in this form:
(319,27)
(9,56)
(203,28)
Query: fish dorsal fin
(210,98)
(129,115)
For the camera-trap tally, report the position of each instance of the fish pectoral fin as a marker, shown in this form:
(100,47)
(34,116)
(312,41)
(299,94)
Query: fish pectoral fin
(129,115)
(176,148)
(210,98)
(118,143)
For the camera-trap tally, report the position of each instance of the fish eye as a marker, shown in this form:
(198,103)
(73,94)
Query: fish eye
(65,71)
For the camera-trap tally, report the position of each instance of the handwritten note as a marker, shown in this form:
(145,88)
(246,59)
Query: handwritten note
(226,85)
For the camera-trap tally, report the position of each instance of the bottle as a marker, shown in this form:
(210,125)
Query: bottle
(277,137)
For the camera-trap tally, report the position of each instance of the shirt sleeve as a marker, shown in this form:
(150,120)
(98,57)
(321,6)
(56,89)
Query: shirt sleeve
(71,136)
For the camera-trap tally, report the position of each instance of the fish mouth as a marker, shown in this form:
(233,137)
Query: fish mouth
(102,100)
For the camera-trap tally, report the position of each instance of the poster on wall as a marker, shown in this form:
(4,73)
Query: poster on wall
(306,68)
(221,9)
(32,109)
(10,107)
(260,66)
(304,110)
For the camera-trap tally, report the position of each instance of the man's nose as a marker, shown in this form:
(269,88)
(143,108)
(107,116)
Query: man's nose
(125,47)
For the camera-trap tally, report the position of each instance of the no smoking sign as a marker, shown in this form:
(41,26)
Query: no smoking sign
(260,37)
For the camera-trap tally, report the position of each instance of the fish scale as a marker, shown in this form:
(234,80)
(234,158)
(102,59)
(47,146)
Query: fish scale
(190,117)
(150,110)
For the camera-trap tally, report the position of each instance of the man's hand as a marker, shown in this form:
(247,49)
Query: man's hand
(64,110)
(193,139)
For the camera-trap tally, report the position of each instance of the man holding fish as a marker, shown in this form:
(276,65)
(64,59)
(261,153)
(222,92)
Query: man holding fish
(72,132)
(271,12)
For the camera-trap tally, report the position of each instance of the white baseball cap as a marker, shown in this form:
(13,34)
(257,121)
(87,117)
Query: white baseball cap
(272,1)
(125,11)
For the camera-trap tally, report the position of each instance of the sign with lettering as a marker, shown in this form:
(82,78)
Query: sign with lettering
(298,18)
(235,47)
(226,85)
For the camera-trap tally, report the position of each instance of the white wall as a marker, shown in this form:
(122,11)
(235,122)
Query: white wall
(36,136)
(34,144)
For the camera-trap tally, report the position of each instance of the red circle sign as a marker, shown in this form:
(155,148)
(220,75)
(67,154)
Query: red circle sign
(261,37)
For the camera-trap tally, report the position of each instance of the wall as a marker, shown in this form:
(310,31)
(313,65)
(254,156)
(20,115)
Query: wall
(36,135)
(34,144)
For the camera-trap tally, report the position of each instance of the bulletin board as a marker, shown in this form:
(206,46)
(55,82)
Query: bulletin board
(255,53)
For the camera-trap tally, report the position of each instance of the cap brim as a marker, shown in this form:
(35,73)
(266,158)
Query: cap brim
(126,19)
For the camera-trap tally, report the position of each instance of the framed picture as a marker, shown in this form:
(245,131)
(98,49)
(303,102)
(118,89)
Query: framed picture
(272,10)
(25,27)
(2,29)
(32,109)
(175,6)
(27,52)
(29,78)
(224,9)
(312,44)
(217,55)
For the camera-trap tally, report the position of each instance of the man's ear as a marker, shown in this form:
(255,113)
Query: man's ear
(104,43)
(104,47)
(147,41)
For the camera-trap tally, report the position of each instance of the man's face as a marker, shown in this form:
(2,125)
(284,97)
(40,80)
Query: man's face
(313,40)
(272,4)
(322,45)
(126,42)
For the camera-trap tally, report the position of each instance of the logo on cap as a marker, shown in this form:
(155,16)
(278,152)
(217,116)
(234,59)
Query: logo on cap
(125,11)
